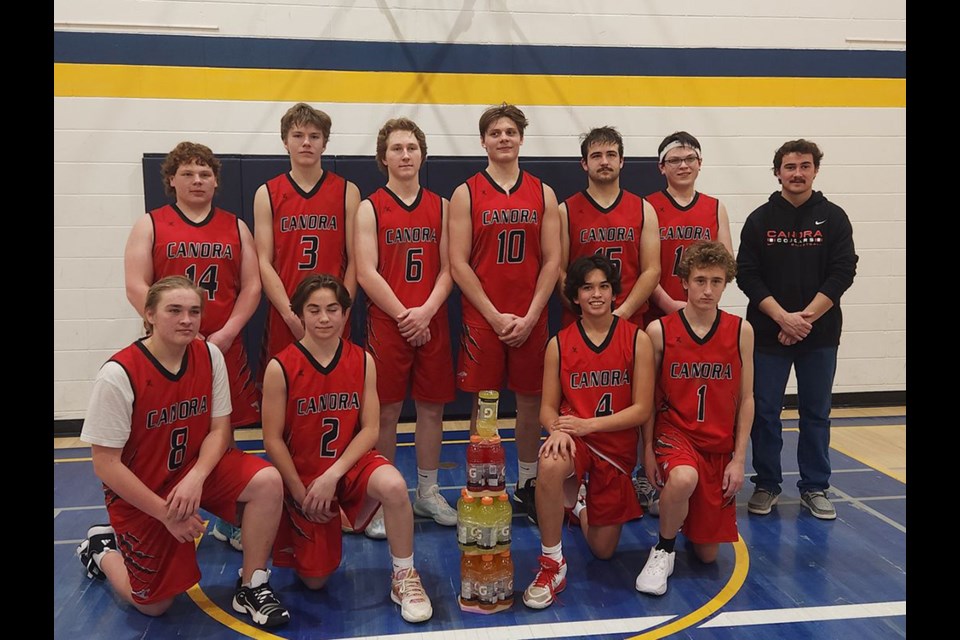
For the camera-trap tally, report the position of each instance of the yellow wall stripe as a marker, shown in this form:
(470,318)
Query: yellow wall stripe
(209,83)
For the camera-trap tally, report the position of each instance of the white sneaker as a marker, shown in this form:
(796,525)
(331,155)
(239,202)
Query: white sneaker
(433,505)
(653,578)
(407,591)
(376,529)
(551,579)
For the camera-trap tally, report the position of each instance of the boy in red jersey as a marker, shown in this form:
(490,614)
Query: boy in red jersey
(215,250)
(505,257)
(303,224)
(402,265)
(597,391)
(159,427)
(685,216)
(603,218)
(320,422)
(696,444)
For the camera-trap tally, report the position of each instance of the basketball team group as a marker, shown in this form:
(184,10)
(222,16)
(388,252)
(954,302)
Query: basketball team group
(644,401)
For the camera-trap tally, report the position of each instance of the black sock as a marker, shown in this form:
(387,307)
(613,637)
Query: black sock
(666,544)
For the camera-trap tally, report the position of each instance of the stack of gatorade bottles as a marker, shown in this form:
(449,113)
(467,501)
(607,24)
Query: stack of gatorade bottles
(485,518)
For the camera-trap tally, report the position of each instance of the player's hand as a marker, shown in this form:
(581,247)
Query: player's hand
(320,504)
(502,323)
(573,425)
(558,445)
(414,321)
(786,340)
(795,325)
(518,332)
(732,479)
(295,325)
(222,339)
(651,468)
(184,500)
(186,530)
(420,339)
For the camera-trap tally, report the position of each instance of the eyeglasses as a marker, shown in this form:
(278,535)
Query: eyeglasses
(676,162)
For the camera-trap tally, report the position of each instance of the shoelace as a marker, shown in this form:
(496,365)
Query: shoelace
(660,564)
(544,579)
(412,587)
(264,596)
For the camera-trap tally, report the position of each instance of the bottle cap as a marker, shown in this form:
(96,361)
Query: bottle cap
(487,500)
(494,439)
(487,557)
(468,497)
(474,439)
(503,497)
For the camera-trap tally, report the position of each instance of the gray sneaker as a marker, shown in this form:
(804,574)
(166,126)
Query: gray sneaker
(647,495)
(818,504)
(761,502)
(433,505)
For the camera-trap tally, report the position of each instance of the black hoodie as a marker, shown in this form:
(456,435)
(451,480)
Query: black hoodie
(793,253)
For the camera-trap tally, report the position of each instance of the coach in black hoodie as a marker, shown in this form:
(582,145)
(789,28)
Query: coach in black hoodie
(796,259)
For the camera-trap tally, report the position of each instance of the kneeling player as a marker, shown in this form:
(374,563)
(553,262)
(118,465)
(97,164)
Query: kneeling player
(597,391)
(159,423)
(320,423)
(696,445)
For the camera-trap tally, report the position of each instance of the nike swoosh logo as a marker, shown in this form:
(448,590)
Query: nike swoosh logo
(818,222)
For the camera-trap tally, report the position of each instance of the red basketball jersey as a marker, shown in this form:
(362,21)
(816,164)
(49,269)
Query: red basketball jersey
(208,252)
(596,380)
(171,414)
(323,405)
(506,254)
(613,231)
(408,245)
(698,386)
(679,228)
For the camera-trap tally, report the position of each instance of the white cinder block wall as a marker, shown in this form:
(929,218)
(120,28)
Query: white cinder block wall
(99,141)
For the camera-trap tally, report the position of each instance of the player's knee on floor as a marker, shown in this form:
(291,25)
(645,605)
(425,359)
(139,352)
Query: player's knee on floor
(706,553)
(154,609)
(314,584)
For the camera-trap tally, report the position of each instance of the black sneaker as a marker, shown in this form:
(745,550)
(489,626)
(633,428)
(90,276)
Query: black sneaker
(526,496)
(100,538)
(258,601)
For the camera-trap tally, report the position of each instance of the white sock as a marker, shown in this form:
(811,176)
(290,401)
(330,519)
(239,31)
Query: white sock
(554,553)
(399,564)
(525,471)
(577,508)
(426,478)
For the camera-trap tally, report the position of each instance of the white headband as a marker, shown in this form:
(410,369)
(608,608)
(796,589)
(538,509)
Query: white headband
(675,144)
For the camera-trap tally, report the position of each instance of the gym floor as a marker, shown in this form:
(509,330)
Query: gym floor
(790,576)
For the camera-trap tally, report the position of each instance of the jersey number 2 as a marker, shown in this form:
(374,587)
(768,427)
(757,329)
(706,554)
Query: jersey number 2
(332,426)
